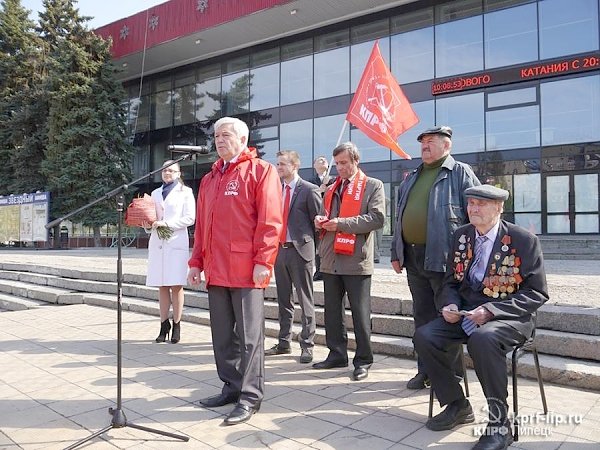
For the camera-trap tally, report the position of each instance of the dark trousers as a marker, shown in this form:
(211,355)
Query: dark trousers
(292,270)
(487,346)
(237,326)
(425,287)
(358,289)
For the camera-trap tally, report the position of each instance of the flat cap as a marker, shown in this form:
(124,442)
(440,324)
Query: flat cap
(487,192)
(443,130)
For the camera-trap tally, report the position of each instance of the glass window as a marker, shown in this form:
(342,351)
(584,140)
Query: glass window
(493,5)
(184,99)
(235,95)
(511,36)
(264,87)
(586,192)
(359,55)
(425,111)
(568,27)
(464,114)
(570,110)
(161,107)
(298,136)
(513,128)
(558,194)
(412,55)
(457,9)
(411,21)
(140,113)
(329,41)
(266,142)
(512,97)
(332,73)
(370,31)
(208,99)
(237,64)
(586,223)
(527,198)
(559,223)
(370,150)
(264,58)
(297,80)
(327,131)
(459,47)
(296,49)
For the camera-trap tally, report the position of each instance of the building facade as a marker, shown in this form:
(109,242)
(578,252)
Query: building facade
(517,80)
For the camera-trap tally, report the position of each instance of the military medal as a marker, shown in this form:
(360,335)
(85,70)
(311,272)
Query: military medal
(505,241)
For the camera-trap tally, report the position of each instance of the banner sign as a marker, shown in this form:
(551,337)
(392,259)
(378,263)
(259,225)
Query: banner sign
(23,217)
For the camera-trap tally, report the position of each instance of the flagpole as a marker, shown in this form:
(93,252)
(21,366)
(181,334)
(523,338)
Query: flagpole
(339,140)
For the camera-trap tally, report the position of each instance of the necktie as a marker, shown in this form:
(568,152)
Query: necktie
(344,187)
(225,166)
(286,213)
(478,264)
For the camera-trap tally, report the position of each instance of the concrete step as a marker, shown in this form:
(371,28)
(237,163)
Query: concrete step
(573,357)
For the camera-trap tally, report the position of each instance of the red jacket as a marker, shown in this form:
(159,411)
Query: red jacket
(238,221)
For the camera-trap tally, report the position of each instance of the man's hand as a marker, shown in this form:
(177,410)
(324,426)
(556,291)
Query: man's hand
(330,225)
(397,267)
(261,274)
(448,316)
(194,276)
(480,315)
(319,221)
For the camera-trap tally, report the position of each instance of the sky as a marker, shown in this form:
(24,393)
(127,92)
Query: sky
(102,11)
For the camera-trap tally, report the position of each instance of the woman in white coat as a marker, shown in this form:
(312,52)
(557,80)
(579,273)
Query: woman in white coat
(168,257)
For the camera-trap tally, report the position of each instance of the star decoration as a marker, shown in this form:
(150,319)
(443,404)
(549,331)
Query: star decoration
(124,32)
(202,5)
(153,22)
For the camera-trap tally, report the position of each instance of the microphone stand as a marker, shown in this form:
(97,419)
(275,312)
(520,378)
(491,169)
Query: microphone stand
(118,416)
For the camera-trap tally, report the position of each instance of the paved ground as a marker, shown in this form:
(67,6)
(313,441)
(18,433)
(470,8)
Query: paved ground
(58,379)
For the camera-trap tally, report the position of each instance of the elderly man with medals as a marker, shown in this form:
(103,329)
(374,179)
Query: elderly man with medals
(494,283)
(353,207)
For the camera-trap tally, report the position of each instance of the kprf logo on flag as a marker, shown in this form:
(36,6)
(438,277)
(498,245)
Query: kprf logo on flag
(379,107)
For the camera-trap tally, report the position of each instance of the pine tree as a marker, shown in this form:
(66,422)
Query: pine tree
(22,110)
(87,153)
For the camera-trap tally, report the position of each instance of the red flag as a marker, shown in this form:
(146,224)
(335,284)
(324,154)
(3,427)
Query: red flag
(379,107)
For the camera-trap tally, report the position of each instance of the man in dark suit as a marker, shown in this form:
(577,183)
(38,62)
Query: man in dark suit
(494,283)
(321,179)
(353,208)
(294,263)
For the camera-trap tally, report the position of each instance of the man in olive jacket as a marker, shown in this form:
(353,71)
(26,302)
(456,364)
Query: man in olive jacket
(353,208)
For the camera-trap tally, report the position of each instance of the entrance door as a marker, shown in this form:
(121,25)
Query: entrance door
(572,203)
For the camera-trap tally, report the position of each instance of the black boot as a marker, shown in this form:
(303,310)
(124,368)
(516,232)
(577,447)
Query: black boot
(165,326)
(176,334)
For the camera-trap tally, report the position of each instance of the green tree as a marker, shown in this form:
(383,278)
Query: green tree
(87,152)
(23,107)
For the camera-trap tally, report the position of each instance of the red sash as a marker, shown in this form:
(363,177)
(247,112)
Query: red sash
(350,207)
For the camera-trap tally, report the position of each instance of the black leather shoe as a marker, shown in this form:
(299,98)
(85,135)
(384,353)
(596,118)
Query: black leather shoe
(495,438)
(360,373)
(317,276)
(240,414)
(419,381)
(328,364)
(219,400)
(277,349)
(306,356)
(453,415)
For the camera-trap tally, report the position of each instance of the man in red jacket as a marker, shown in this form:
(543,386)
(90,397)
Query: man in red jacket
(239,220)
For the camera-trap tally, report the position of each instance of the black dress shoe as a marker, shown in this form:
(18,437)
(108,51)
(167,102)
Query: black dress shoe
(219,400)
(328,364)
(360,373)
(306,356)
(277,349)
(317,276)
(240,414)
(456,413)
(419,381)
(495,438)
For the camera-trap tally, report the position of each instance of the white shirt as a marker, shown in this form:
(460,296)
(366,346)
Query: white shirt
(292,186)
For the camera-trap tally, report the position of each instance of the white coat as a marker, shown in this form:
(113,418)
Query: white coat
(167,259)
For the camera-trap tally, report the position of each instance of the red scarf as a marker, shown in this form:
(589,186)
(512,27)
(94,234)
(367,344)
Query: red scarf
(350,207)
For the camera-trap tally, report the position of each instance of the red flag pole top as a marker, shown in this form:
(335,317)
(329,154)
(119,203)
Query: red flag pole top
(379,108)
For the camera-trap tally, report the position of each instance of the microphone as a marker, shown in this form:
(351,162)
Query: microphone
(196,149)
